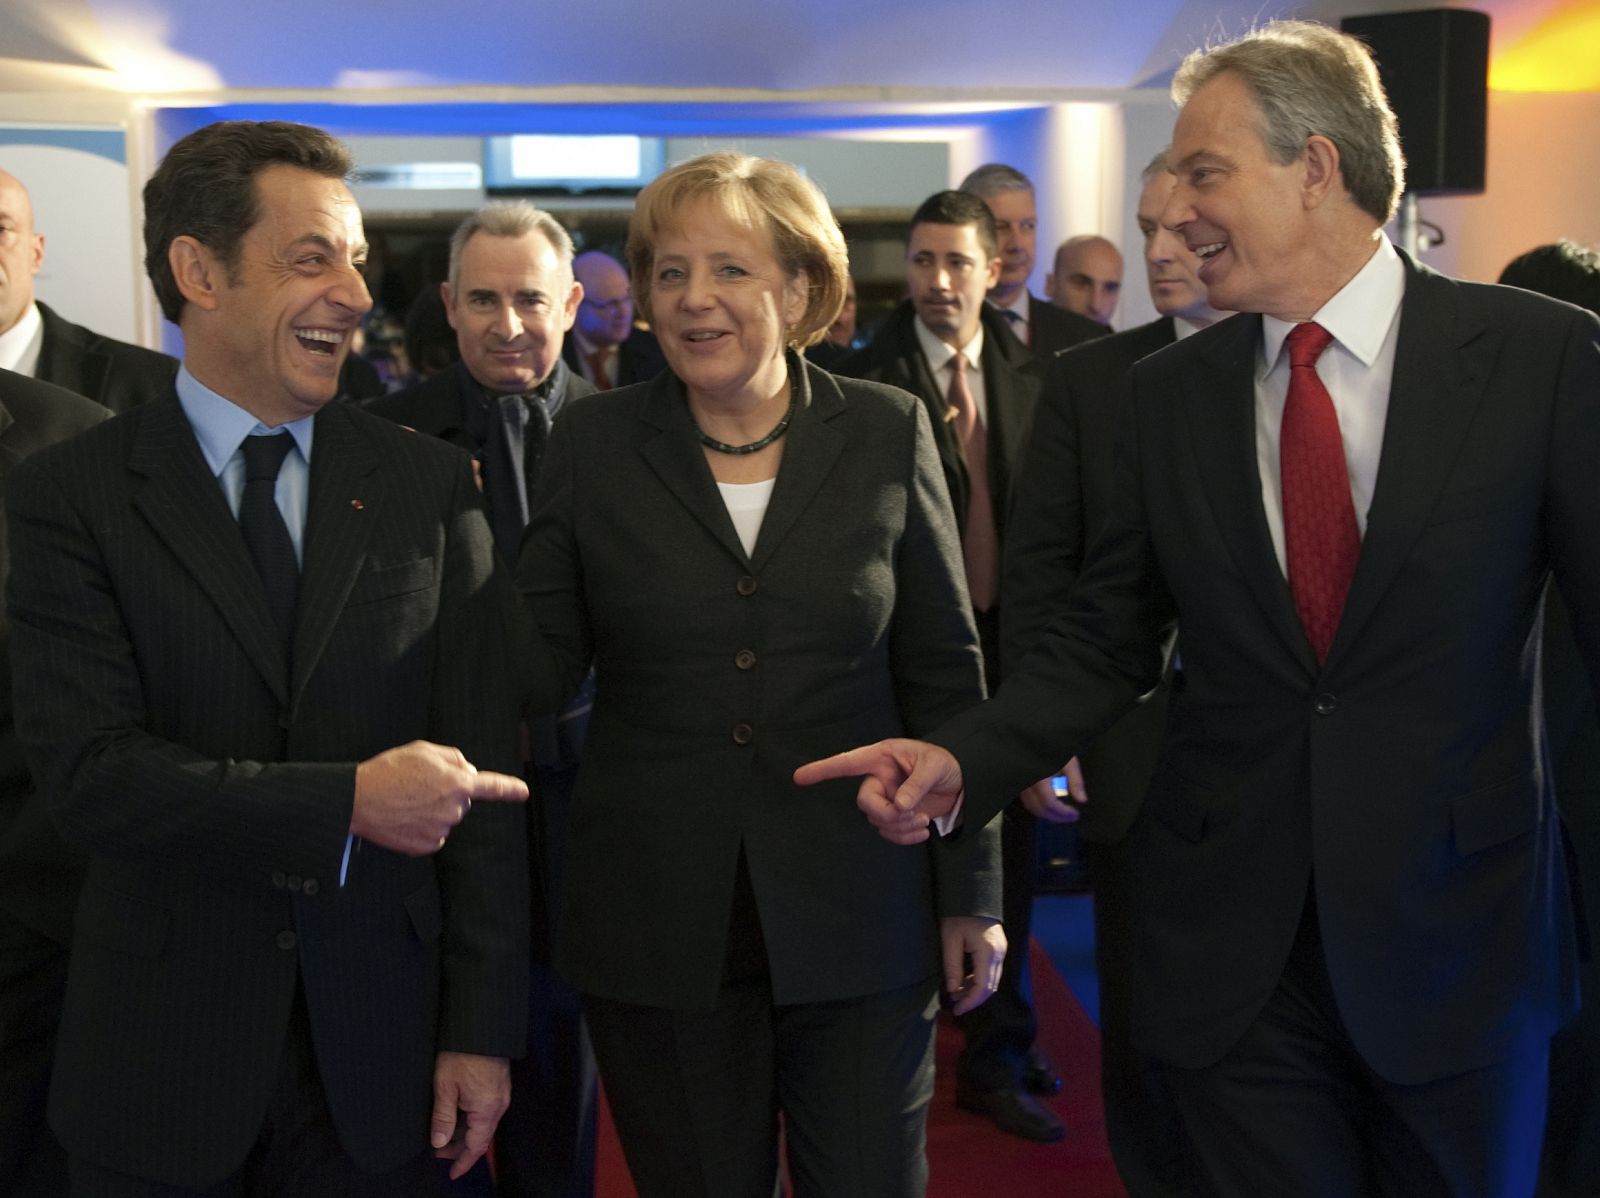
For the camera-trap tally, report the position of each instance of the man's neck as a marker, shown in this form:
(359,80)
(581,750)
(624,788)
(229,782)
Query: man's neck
(1006,294)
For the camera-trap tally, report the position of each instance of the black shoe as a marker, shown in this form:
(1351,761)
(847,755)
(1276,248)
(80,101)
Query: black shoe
(1015,1112)
(1039,1076)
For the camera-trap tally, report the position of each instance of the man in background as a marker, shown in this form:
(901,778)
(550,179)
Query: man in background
(1087,278)
(605,347)
(35,341)
(1058,508)
(1042,327)
(511,299)
(953,349)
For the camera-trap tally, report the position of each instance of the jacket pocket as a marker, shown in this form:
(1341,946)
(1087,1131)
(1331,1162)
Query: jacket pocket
(426,916)
(402,578)
(1492,815)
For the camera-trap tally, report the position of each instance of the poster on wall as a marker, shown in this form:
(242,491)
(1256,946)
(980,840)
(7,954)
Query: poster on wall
(77,177)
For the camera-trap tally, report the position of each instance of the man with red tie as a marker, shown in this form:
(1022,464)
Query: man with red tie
(1354,934)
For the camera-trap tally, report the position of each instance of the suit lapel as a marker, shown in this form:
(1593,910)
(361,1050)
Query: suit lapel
(811,446)
(671,449)
(183,504)
(1442,361)
(1219,406)
(346,498)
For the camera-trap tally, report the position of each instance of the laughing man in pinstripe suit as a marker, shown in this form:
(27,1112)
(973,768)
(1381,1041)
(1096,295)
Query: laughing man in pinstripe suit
(291,935)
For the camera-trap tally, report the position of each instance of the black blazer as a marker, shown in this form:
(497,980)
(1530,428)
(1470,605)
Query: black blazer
(1058,507)
(1406,774)
(1011,375)
(113,373)
(639,358)
(38,876)
(718,673)
(211,787)
(1055,329)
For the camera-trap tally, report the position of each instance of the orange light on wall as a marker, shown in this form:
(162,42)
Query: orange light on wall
(1561,54)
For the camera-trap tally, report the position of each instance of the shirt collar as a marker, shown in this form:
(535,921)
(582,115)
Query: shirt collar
(1018,305)
(22,340)
(1359,314)
(220,425)
(940,352)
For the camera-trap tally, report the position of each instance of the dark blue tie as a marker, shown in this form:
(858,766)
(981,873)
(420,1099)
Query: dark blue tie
(265,533)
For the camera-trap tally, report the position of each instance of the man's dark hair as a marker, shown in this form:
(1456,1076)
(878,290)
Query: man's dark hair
(1563,271)
(205,188)
(959,208)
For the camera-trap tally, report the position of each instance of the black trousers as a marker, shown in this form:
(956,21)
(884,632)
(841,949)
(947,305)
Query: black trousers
(998,1034)
(1292,1111)
(1142,1123)
(33,977)
(696,1096)
(296,1155)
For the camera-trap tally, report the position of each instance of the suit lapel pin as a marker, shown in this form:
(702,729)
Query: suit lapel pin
(358,505)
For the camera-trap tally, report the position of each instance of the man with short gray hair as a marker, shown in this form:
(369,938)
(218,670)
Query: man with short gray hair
(1042,327)
(511,298)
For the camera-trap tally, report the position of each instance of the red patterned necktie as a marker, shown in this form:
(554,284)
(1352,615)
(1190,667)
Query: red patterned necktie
(1321,538)
(980,545)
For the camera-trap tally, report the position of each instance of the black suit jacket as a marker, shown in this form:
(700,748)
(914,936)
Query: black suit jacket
(1011,374)
(719,672)
(1406,774)
(113,373)
(1054,329)
(639,358)
(38,876)
(211,785)
(1058,507)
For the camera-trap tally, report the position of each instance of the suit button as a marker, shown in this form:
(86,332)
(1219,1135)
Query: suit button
(286,940)
(279,880)
(310,887)
(746,585)
(743,734)
(294,882)
(1325,704)
(744,659)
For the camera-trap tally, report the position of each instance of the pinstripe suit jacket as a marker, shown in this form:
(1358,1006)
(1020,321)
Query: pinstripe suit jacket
(211,784)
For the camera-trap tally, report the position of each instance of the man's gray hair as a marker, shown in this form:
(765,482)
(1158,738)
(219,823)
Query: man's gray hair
(1310,80)
(511,218)
(1159,165)
(994,177)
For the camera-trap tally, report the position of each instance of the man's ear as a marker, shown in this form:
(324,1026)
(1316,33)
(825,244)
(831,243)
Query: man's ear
(1322,176)
(198,273)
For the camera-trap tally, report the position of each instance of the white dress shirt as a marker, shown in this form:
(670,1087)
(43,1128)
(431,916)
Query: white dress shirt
(21,343)
(1357,368)
(939,355)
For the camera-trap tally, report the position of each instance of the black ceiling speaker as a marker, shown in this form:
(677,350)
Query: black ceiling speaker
(1434,63)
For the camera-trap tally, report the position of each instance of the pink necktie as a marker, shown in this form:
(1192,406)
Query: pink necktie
(980,543)
(1321,538)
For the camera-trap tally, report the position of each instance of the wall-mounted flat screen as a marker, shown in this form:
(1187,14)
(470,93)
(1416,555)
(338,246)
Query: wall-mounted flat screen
(529,163)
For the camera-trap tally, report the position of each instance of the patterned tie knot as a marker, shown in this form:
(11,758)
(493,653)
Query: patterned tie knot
(1012,315)
(1306,342)
(263,456)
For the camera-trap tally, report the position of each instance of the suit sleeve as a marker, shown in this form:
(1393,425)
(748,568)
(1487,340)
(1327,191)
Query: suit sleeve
(1044,543)
(937,667)
(1572,500)
(483,866)
(1092,662)
(113,788)
(555,639)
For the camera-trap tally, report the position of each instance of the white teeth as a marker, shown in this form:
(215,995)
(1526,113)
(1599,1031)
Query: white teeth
(1207,251)
(328,335)
(704,336)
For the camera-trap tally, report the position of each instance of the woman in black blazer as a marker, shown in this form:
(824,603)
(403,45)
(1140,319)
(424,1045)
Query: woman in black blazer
(761,563)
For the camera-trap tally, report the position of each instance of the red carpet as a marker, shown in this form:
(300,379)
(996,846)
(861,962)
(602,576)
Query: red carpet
(967,1157)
